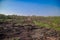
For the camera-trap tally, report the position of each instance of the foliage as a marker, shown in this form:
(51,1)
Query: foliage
(49,22)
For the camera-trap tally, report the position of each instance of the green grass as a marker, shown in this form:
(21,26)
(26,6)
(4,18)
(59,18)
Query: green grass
(41,24)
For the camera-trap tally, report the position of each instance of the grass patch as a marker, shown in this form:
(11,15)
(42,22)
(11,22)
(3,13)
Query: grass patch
(41,24)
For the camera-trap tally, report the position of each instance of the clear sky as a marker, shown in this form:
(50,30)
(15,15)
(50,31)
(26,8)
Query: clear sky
(30,7)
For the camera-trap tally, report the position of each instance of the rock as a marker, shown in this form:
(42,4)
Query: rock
(28,32)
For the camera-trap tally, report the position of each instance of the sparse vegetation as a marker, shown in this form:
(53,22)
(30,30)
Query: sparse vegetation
(50,21)
(13,25)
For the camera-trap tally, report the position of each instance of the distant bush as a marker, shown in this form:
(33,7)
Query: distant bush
(49,22)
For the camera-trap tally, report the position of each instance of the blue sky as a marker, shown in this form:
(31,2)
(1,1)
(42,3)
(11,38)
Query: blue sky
(30,7)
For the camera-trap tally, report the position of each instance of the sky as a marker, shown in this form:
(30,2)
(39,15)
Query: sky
(30,7)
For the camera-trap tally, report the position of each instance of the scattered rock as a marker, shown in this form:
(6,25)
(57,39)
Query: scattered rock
(28,32)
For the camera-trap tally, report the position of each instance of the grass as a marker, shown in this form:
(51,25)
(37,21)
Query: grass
(41,24)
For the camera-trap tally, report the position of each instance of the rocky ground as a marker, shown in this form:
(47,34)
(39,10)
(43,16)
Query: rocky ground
(9,31)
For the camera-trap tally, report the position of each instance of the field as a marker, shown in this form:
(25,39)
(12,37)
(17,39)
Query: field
(10,24)
(49,22)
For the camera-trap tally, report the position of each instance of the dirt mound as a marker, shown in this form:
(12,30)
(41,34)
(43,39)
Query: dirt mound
(27,32)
